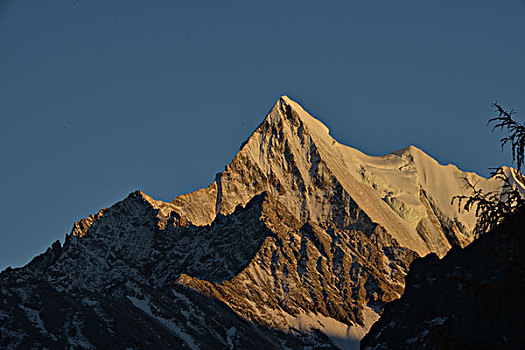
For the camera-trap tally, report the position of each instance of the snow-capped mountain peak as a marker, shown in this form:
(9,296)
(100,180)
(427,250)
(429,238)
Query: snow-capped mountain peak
(300,241)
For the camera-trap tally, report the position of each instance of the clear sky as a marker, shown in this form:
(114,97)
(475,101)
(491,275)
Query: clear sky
(99,98)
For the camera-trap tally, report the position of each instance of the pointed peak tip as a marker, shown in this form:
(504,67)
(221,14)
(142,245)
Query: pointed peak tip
(286,111)
(140,194)
(293,110)
(285,99)
(136,193)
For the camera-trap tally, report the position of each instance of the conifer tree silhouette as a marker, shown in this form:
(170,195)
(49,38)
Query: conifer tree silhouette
(494,207)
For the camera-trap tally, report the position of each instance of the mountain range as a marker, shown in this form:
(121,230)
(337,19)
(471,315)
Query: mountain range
(300,242)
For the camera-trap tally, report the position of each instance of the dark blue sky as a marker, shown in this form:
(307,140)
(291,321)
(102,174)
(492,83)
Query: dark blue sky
(99,98)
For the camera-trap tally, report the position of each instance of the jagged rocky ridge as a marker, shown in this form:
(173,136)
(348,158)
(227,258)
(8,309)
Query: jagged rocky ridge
(300,241)
(471,299)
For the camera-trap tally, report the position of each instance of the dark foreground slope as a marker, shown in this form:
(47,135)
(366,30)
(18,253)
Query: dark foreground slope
(472,299)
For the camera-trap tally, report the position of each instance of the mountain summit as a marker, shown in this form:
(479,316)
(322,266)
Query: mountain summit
(300,241)
(292,156)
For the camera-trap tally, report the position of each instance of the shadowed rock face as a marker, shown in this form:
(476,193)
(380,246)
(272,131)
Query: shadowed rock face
(299,268)
(300,241)
(471,299)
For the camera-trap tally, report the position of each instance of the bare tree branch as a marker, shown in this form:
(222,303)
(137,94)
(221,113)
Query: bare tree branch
(516,131)
(492,208)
